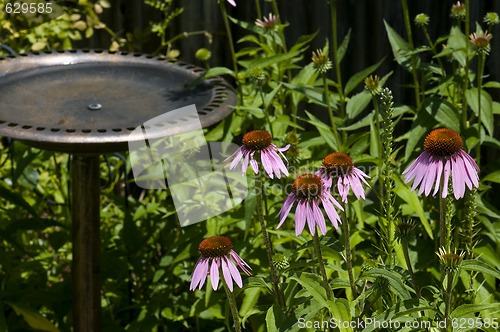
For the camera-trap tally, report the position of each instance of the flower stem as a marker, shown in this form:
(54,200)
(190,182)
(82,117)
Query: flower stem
(322,270)
(336,60)
(448,295)
(233,307)
(266,111)
(231,48)
(348,255)
(480,71)
(404,244)
(277,294)
(326,91)
(443,229)
(416,84)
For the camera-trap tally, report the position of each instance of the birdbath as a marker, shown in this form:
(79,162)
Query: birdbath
(86,103)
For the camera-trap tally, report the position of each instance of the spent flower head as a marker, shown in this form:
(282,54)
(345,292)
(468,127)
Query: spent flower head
(321,61)
(372,85)
(267,23)
(309,191)
(491,18)
(481,41)
(450,260)
(338,166)
(458,11)
(217,254)
(421,20)
(259,143)
(405,230)
(443,158)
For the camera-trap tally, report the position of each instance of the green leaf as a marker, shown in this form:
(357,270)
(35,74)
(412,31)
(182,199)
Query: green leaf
(272,60)
(493,177)
(366,121)
(472,96)
(324,131)
(480,266)
(315,95)
(443,112)
(341,313)
(457,42)
(357,104)
(312,283)
(341,51)
(465,310)
(33,318)
(17,200)
(411,197)
(359,77)
(394,278)
(420,125)
(492,84)
(400,48)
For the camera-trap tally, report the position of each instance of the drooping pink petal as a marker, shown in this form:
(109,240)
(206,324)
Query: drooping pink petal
(331,213)
(255,166)
(446,178)
(200,273)
(457,178)
(310,217)
(234,272)
(286,208)
(300,217)
(232,2)
(241,263)
(318,216)
(214,273)
(438,177)
(227,275)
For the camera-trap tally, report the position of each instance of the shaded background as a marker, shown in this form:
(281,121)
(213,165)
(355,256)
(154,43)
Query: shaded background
(369,42)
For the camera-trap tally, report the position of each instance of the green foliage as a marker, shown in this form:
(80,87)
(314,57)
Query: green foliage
(148,259)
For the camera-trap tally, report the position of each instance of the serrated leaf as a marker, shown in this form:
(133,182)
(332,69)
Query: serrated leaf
(359,77)
(341,51)
(472,96)
(395,281)
(465,310)
(312,282)
(443,112)
(358,104)
(324,131)
(480,266)
(400,48)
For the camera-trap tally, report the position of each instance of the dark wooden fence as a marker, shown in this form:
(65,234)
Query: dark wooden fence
(365,18)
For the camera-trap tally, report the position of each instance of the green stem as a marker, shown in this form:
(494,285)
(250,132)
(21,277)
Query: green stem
(448,296)
(232,306)
(433,48)
(443,229)
(336,60)
(465,87)
(410,269)
(322,270)
(257,8)
(348,253)
(222,6)
(266,113)
(277,294)
(413,56)
(480,71)
(326,91)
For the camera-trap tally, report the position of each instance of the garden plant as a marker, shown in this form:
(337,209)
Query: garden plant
(364,213)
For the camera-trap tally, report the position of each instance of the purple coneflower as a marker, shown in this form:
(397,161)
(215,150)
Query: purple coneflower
(267,23)
(216,253)
(443,157)
(340,166)
(309,191)
(260,142)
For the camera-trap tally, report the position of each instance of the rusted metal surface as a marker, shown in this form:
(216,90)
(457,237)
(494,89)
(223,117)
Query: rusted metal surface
(90,101)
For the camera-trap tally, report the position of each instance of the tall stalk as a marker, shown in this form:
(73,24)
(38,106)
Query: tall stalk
(348,253)
(336,60)
(322,270)
(277,294)
(232,306)
(413,58)
(225,19)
